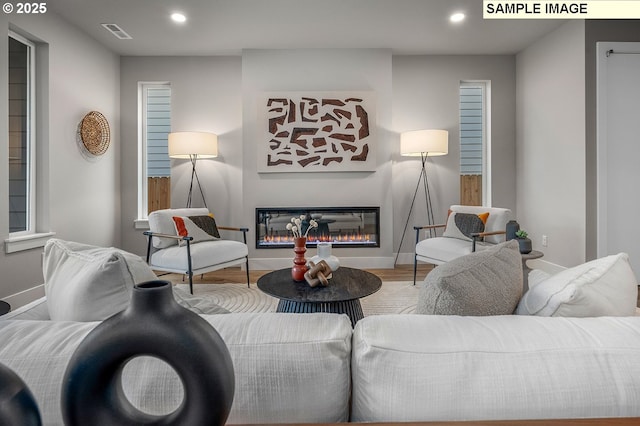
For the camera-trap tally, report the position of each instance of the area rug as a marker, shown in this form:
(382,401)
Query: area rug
(395,297)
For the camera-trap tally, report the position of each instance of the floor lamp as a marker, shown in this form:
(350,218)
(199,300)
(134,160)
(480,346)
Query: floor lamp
(193,146)
(423,144)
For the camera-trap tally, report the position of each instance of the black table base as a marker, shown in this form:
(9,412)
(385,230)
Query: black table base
(352,308)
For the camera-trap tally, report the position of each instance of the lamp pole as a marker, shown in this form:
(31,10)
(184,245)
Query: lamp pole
(423,143)
(424,179)
(194,158)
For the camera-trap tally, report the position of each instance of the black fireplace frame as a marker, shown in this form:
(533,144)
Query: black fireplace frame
(309,211)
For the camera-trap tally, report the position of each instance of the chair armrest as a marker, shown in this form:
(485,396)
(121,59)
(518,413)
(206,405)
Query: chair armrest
(486,234)
(476,235)
(431,228)
(231,228)
(159,235)
(151,234)
(417,228)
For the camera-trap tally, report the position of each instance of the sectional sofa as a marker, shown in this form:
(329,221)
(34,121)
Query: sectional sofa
(295,368)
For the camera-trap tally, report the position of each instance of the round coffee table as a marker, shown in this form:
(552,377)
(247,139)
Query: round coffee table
(341,296)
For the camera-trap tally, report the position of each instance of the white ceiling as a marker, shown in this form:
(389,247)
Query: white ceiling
(225,27)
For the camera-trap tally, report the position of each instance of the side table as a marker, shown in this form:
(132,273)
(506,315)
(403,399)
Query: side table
(4,307)
(534,254)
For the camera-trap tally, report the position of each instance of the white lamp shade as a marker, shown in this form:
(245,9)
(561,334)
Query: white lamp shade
(430,142)
(189,144)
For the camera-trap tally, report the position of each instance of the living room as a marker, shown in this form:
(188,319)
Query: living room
(543,157)
(542,101)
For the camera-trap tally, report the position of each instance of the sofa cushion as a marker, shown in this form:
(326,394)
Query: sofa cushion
(89,283)
(442,249)
(463,225)
(408,368)
(488,282)
(34,310)
(605,286)
(201,254)
(289,368)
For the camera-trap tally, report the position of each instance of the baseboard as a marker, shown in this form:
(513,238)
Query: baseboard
(268,264)
(405,258)
(27,296)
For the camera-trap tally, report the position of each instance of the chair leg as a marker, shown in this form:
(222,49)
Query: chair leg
(415,269)
(189,266)
(247,268)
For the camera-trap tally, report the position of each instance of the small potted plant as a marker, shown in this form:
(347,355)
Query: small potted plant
(523,241)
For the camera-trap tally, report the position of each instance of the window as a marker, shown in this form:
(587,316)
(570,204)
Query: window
(22,182)
(474,137)
(155,169)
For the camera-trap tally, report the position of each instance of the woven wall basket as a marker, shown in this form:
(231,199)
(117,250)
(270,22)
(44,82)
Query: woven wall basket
(95,133)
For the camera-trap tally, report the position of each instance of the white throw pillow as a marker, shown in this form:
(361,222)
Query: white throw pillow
(601,287)
(89,283)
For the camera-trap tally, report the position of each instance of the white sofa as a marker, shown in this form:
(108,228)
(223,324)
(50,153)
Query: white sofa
(314,368)
(301,375)
(293,368)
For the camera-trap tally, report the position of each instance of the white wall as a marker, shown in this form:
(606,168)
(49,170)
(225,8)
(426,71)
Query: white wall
(319,70)
(219,94)
(205,96)
(550,147)
(426,96)
(84,195)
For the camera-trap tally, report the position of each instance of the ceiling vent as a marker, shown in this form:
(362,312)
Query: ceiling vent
(117,31)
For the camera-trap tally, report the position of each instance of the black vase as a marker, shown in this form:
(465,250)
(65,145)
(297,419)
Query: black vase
(153,325)
(17,404)
(511,229)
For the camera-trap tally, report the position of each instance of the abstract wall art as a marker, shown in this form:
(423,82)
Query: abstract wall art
(316,132)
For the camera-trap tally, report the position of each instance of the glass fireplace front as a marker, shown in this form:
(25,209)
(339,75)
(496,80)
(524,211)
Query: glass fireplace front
(341,226)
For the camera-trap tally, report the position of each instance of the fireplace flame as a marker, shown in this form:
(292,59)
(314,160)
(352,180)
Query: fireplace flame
(340,238)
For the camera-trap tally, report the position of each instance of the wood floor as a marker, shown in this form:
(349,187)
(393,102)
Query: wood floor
(237,275)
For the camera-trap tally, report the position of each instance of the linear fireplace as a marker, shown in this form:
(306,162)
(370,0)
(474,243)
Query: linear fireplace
(341,226)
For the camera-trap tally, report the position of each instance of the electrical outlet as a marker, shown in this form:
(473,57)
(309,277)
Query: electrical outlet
(545,241)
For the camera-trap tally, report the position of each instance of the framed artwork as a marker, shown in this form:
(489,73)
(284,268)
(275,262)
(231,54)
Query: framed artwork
(316,132)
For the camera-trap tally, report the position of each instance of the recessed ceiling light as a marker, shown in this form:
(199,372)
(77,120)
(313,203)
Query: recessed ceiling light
(457,17)
(178,17)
